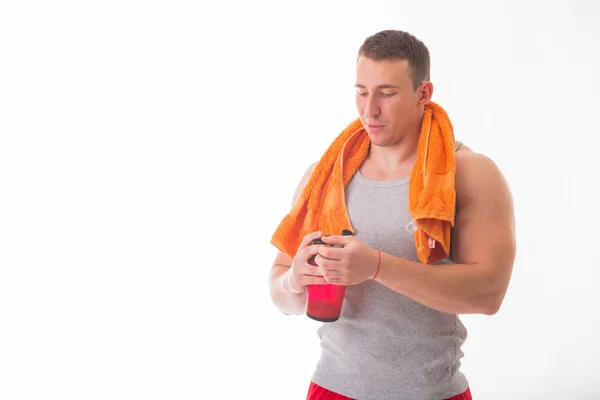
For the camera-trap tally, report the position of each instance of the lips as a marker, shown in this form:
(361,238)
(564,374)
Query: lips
(374,128)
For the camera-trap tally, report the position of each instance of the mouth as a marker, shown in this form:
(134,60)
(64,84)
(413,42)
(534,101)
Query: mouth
(375,128)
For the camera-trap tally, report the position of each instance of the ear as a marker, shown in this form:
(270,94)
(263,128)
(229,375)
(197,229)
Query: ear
(425,93)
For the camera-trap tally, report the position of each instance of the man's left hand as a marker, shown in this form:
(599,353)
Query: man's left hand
(352,263)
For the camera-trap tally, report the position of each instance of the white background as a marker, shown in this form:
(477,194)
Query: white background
(149,149)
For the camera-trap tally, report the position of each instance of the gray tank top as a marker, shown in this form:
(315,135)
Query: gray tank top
(384,345)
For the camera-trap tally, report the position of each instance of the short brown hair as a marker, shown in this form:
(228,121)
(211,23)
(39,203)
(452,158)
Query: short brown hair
(399,45)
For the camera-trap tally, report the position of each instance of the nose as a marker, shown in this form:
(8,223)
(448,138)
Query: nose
(371,107)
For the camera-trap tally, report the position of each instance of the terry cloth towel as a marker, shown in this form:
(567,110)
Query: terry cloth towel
(322,205)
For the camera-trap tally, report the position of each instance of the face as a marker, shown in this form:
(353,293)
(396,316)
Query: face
(388,106)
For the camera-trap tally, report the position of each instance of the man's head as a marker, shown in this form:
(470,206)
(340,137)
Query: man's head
(392,81)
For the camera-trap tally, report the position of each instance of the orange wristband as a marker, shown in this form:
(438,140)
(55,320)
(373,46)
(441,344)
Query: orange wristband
(378,264)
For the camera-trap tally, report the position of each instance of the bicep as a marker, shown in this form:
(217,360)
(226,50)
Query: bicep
(484,232)
(282,263)
(302,183)
(282,259)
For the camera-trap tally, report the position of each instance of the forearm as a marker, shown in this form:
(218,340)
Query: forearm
(286,301)
(451,288)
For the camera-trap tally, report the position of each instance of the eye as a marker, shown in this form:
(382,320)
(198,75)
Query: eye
(363,94)
(387,94)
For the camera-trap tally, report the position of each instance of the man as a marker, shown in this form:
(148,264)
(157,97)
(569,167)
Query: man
(399,335)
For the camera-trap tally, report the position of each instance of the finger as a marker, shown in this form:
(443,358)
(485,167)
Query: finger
(310,270)
(308,252)
(330,276)
(307,240)
(315,280)
(337,239)
(332,253)
(328,264)
(334,280)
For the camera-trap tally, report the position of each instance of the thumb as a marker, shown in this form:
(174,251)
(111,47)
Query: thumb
(306,241)
(337,240)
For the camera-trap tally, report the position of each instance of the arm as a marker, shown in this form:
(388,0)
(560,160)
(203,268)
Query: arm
(282,296)
(483,244)
(287,287)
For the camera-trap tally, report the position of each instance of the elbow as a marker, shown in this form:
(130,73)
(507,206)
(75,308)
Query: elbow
(482,308)
(491,309)
(492,304)
(493,296)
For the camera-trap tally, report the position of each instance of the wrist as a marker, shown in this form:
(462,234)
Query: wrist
(286,283)
(378,265)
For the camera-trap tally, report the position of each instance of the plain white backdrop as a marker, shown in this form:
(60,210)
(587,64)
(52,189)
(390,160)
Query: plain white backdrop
(148,150)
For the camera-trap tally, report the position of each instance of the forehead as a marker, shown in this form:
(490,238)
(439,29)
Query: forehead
(371,72)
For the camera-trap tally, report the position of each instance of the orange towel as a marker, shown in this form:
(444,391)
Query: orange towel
(322,205)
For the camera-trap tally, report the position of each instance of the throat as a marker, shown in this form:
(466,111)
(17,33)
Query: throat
(372,171)
(385,165)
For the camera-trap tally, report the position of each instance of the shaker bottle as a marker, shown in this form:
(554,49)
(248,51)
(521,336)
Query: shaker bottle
(324,301)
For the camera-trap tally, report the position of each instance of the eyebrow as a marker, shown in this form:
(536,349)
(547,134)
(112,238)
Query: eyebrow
(378,87)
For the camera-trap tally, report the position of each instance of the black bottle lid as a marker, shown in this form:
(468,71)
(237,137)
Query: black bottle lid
(318,241)
(347,232)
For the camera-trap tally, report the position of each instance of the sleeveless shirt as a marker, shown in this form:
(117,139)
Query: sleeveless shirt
(385,345)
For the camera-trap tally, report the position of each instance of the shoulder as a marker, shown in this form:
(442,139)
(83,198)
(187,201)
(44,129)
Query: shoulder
(309,171)
(467,161)
(477,175)
(305,177)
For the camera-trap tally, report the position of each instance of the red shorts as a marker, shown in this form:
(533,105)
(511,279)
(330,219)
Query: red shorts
(316,392)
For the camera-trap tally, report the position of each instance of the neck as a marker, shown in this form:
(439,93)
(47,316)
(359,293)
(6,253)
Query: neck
(397,156)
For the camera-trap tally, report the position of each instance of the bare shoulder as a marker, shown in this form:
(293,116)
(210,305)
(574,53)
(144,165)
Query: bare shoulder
(484,226)
(475,173)
(282,259)
(303,182)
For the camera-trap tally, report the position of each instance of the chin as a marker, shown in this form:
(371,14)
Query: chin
(379,140)
(381,134)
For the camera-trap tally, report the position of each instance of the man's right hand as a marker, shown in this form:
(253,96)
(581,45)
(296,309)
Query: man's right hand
(301,272)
